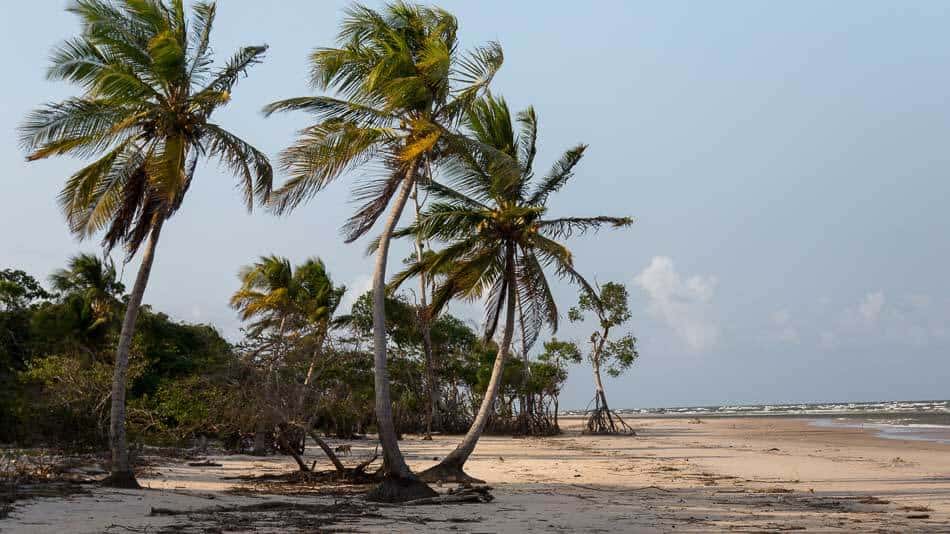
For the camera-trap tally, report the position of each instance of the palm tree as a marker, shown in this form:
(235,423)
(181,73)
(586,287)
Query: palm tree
(298,302)
(294,305)
(401,85)
(497,243)
(95,280)
(149,90)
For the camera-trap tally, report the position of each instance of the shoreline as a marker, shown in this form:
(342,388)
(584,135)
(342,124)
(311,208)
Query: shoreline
(743,474)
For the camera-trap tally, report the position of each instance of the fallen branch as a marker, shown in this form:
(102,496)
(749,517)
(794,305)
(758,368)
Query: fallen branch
(363,465)
(471,494)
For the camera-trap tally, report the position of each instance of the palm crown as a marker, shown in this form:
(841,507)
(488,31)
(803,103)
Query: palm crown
(149,92)
(279,296)
(494,222)
(95,282)
(401,84)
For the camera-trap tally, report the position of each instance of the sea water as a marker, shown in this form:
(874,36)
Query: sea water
(927,420)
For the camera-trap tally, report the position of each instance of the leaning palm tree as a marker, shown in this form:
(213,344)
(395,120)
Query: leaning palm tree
(401,85)
(149,90)
(497,242)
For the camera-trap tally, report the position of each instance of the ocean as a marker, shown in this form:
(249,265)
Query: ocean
(926,420)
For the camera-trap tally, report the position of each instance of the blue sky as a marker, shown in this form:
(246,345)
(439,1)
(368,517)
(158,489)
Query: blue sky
(787,163)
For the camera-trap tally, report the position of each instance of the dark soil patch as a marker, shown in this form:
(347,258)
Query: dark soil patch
(308,483)
(275,516)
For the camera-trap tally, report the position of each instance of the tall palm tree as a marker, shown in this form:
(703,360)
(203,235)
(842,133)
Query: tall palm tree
(497,243)
(149,90)
(401,84)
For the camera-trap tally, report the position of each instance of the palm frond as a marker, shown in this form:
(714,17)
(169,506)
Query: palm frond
(200,39)
(242,160)
(375,195)
(320,155)
(561,172)
(243,59)
(76,126)
(567,226)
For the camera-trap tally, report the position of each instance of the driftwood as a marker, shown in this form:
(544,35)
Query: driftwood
(206,463)
(467,494)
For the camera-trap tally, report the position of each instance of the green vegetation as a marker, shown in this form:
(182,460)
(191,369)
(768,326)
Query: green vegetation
(86,363)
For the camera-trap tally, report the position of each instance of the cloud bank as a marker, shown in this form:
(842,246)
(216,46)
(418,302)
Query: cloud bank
(681,303)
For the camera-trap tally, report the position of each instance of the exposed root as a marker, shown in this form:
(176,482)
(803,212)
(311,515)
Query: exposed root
(443,472)
(400,489)
(603,420)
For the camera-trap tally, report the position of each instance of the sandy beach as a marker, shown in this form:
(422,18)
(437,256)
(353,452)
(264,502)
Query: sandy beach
(721,474)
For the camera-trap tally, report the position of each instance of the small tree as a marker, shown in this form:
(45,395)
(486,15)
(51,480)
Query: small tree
(612,310)
(559,354)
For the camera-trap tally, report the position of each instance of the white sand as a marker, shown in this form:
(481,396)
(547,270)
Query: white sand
(719,475)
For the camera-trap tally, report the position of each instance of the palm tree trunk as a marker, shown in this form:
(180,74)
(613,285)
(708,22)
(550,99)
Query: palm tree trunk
(399,483)
(450,468)
(121,472)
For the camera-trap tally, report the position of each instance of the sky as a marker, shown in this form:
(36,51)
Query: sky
(788,166)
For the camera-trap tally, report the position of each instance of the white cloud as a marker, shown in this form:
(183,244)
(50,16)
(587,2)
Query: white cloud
(871,307)
(683,304)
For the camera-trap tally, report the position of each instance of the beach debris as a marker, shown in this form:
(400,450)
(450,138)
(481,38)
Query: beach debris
(915,509)
(774,490)
(871,499)
(205,463)
(464,494)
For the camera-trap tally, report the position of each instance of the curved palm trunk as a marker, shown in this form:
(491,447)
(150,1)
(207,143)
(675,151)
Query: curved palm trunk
(121,472)
(450,469)
(399,483)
